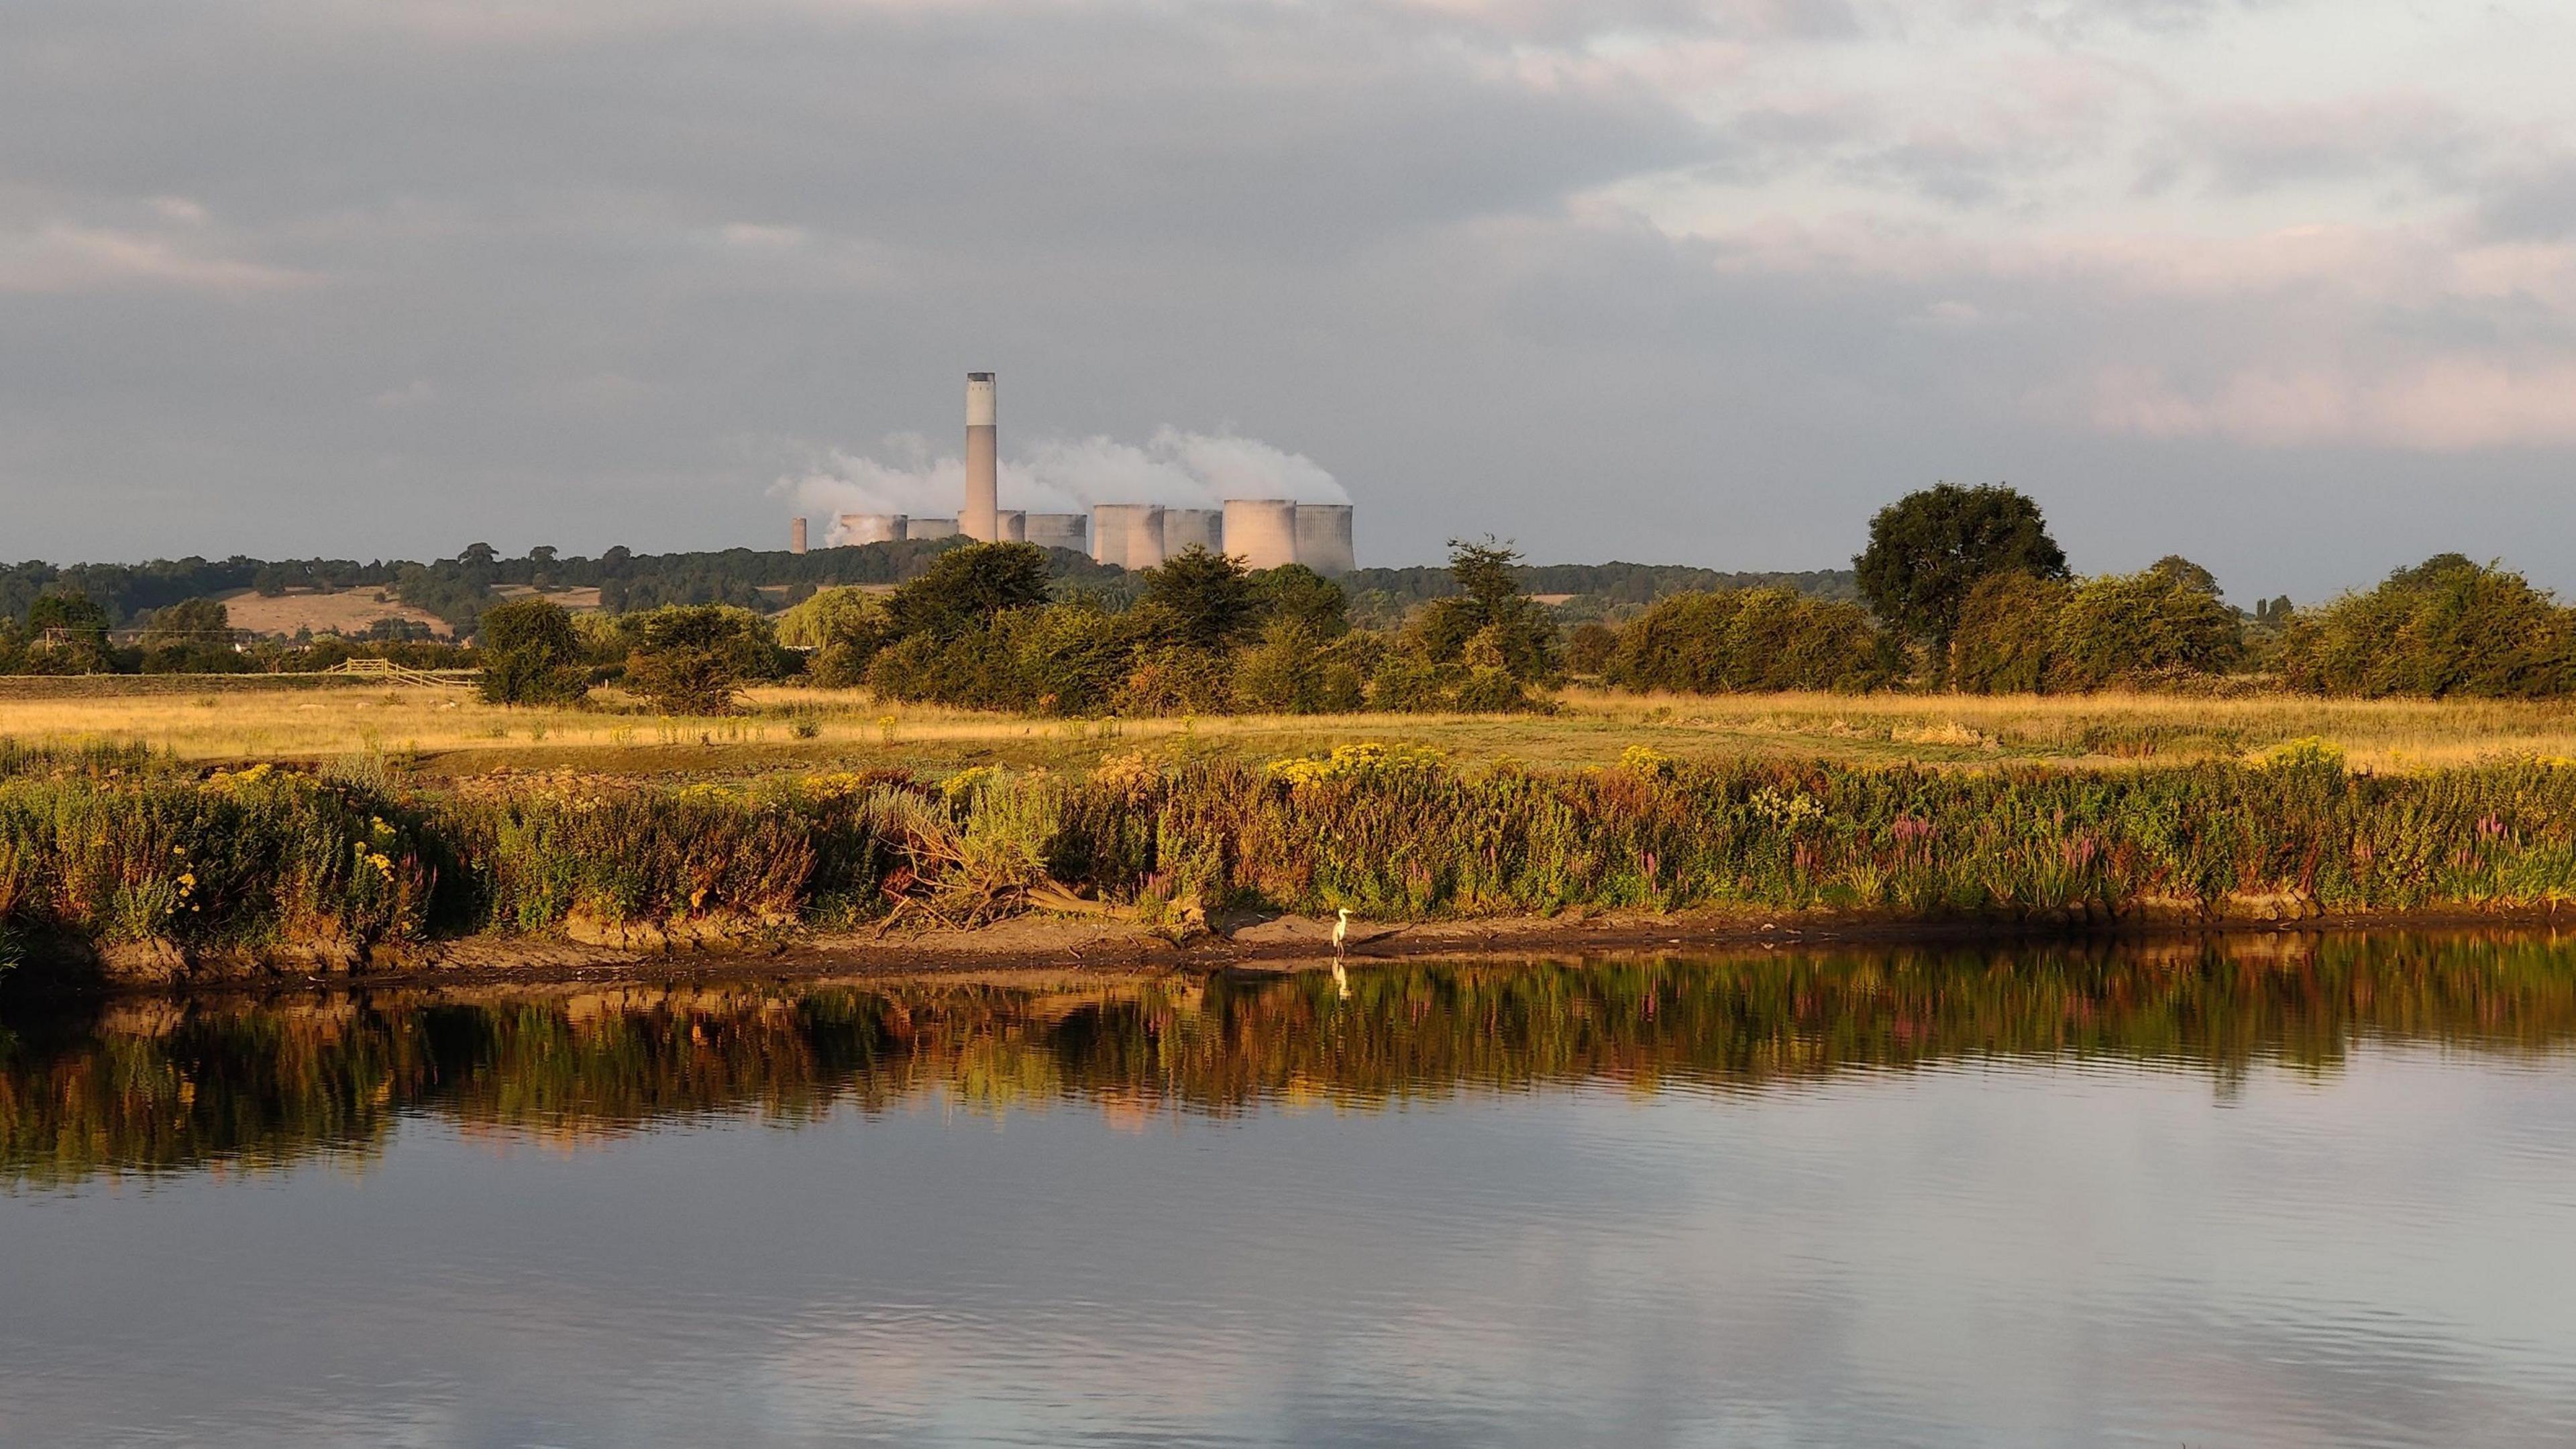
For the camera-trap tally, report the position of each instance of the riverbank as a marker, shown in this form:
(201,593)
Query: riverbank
(118,867)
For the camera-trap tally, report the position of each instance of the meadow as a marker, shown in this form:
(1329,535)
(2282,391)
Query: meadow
(449,733)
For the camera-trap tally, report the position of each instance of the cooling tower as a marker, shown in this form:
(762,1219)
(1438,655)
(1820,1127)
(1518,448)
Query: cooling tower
(976,519)
(918,529)
(1185,526)
(1129,535)
(796,535)
(1261,531)
(1060,530)
(1324,537)
(1010,525)
(858,528)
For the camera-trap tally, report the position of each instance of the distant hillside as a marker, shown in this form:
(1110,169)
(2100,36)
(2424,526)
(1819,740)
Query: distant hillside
(457,590)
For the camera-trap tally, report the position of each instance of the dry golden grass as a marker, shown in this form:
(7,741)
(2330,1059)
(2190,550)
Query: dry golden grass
(344,611)
(449,731)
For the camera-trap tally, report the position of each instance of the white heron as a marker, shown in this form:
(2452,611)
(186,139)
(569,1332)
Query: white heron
(1341,933)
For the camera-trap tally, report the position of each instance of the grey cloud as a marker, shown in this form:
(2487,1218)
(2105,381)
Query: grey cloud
(2255,148)
(2532,202)
(606,281)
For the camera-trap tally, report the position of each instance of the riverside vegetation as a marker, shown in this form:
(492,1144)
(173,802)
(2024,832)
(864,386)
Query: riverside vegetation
(110,847)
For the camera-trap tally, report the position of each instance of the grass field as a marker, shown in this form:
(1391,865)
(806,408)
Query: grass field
(448,732)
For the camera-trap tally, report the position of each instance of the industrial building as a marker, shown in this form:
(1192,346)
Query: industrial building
(1264,532)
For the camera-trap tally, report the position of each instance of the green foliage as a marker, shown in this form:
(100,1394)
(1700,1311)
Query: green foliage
(828,616)
(2446,627)
(2021,634)
(1065,659)
(969,587)
(1200,600)
(2129,626)
(120,847)
(1588,646)
(693,659)
(1297,594)
(246,858)
(1928,549)
(1488,624)
(1747,639)
(1285,673)
(2005,640)
(531,654)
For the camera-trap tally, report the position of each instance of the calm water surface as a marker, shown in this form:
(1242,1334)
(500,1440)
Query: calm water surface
(2265,1193)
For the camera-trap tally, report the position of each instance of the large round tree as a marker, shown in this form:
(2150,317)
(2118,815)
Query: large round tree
(1928,549)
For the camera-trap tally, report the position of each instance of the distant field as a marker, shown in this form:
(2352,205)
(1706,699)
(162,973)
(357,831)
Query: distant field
(449,732)
(352,611)
(341,611)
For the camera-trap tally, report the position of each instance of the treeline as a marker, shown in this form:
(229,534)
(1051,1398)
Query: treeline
(1384,598)
(457,590)
(983,629)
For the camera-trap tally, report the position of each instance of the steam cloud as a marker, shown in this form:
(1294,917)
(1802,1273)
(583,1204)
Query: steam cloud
(1061,475)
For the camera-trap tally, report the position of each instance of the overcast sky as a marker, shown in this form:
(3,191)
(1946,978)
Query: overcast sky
(2287,287)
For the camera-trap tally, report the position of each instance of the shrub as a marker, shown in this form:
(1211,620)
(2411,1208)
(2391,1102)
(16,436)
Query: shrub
(2445,627)
(2005,639)
(693,659)
(1296,593)
(1514,633)
(1284,673)
(1199,600)
(2165,620)
(1747,639)
(531,654)
(969,587)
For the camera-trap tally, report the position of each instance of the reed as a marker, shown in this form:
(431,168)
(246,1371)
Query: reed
(126,847)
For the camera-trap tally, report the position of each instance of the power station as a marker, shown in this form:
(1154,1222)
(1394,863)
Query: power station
(1264,532)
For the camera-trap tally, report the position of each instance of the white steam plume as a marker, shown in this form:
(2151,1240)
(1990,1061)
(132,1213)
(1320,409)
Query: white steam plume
(1060,475)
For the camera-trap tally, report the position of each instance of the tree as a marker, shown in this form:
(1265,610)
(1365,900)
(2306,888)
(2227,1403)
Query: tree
(1928,549)
(1296,592)
(190,622)
(1200,600)
(531,654)
(693,659)
(67,633)
(1489,623)
(2446,627)
(967,588)
(2162,621)
(2006,637)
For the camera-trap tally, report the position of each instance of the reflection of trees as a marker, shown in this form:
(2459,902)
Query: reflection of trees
(174,1085)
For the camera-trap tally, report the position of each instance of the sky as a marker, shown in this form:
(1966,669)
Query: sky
(2286,287)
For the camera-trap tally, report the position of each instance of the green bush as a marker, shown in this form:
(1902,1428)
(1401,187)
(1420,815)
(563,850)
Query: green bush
(694,659)
(1747,639)
(2123,626)
(531,654)
(2005,639)
(2446,627)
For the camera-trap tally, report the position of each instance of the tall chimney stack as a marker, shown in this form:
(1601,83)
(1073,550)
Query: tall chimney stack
(796,535)
(977,519)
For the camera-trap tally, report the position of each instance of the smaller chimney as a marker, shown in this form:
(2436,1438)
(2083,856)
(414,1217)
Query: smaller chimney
(796,536)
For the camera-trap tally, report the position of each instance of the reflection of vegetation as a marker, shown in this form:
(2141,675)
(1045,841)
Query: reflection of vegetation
(171,1086)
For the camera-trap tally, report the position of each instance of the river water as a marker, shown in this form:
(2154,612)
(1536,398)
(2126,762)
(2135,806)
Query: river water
(2281,1191)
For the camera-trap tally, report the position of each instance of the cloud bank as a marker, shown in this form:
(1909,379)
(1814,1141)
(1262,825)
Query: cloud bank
(1702,282)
